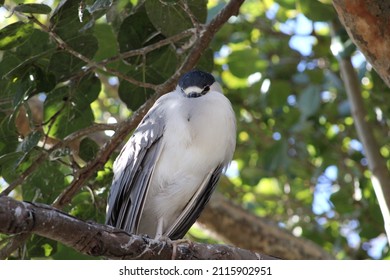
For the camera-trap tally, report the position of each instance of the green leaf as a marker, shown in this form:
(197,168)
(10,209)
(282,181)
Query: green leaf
(278,92)
(163,62)
(106,38)
(70,120)
(87,91)
(34,55)
(8,62)
(82,206)
(45,82)
(67,109)
(309,100)
(15,34)
(63,65)
(343,201)
(24,87)
(132,95)
(316,11)
(169,17)
(30,141)
(88,149)
(65,20)
(268,186)
(46,183)
(276,157)
(245,62)
(12,164)
(163,65)
(289,4)
(136,32)
(8,134)
(39,247)
(39,44)
(8,161)
(206,61)
(33,8)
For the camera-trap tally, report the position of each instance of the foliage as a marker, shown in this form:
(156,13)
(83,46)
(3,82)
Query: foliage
(298,159)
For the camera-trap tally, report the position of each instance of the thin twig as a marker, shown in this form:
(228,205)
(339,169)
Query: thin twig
(186,8)
(45,154)
(89,130)
(149,48)
(36,163)
(92,64)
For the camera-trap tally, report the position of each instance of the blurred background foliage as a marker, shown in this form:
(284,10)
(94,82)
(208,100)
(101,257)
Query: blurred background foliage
(298,159)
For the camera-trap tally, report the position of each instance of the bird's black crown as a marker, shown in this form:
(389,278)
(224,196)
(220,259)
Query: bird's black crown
(196,78)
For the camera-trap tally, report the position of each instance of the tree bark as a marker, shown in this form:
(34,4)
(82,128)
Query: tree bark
(94,239)
(368,25)
(238,227)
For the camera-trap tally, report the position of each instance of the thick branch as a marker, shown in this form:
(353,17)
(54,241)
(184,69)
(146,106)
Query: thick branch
(368,25)
(99,240)
(233,224)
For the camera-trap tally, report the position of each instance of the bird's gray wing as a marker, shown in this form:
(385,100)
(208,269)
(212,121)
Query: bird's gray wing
(195,206)
(133,170)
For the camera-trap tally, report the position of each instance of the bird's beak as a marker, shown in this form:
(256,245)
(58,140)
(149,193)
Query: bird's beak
(194,94)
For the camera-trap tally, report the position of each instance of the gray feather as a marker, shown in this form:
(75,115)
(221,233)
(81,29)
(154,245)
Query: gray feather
(195,206)
(133,171)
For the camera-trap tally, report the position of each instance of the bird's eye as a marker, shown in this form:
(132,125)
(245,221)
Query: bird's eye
(206,89)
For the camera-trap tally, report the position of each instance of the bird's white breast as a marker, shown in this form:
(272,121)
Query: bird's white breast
(199,136)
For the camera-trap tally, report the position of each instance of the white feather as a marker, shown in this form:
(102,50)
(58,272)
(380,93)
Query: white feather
(203,130)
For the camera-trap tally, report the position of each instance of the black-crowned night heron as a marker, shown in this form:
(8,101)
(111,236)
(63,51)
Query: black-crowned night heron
(167,171)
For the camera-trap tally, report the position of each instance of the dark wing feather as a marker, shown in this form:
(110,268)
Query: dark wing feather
(195,206)
(133,169)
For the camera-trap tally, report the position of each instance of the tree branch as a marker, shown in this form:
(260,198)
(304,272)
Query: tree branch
(367,24)
(380,177)
(234,224)
(62,44)
(148,48)
(94,239)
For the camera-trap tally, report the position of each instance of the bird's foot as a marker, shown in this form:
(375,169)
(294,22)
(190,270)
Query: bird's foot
(176,243)
(165,240)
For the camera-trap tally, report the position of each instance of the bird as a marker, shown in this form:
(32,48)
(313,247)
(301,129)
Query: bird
(168,169)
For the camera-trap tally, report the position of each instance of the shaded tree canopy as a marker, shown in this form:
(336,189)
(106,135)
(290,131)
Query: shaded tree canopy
(302,181)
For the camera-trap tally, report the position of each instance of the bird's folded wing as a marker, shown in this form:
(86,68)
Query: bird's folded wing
(133,170)
(195,206)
